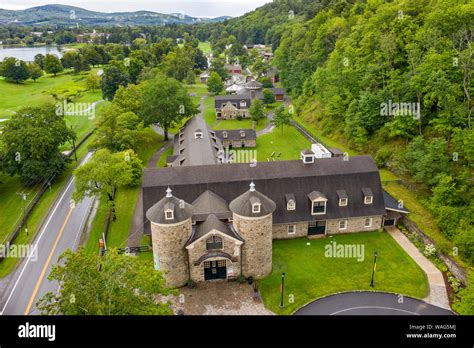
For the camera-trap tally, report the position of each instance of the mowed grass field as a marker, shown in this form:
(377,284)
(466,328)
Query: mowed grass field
(310,274)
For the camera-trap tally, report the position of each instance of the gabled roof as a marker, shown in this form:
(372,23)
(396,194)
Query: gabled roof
(210,203)
(367,191)
(212,223)
(234,134)
(341,194)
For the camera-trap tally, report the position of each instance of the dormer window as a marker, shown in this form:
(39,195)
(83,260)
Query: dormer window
(342,202)
(291,205)
(198,134)
(169,215)
(242,134)
(318,203)
(256,208)
(368,195)
(225,135)
(243,104)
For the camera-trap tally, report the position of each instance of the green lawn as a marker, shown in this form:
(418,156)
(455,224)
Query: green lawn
(309,274)
(289,142)
(209,114)
(124,205)
(11,205)
(205,47)
(162,162)
(30,93)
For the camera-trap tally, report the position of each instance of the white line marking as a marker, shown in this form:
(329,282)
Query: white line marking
(378,307)
(36,246)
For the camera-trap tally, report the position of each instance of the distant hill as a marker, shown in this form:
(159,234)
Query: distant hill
(63,15)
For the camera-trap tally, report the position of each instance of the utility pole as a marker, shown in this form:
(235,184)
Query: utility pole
(23,197)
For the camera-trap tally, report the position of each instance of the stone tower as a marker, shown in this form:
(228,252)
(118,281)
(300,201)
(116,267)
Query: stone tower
(171,227)
(253,219)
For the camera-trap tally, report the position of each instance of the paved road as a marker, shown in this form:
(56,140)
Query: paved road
(370,303)
(61,231)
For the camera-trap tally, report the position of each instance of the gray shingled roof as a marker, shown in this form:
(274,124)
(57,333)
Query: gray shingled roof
(195,151)
(210,203)
(274,180)
(316,195)
(212,223)
(242,205)
(392,204)
(181,210)
(250,134)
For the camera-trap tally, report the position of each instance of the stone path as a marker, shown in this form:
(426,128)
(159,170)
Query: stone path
(219,298)
(438,295)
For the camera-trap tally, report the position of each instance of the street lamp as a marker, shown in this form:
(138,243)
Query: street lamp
(282,288)
(373,269)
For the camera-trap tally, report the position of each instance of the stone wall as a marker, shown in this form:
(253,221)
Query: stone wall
(168,246)
(453,266)
(196,250)
(281,231)
(238,143)
(354,225)
(257,249)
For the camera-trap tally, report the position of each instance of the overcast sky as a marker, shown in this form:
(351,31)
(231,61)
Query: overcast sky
(198,8)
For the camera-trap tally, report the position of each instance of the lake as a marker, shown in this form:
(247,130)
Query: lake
(27,54)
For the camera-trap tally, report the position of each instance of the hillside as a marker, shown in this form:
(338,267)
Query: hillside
(63,15)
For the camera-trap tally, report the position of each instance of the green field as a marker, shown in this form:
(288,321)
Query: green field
(309,274)
(205,47)
(124,205)
(29,93)
(289,143)
(162,162)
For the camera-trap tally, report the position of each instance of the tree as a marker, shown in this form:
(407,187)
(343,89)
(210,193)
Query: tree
(129,98)
(134,68)
(52,64)
(112,79)
(115,284)
(74,60)
(39,59)
(14,70)
(35,71)
(166,102)
(214,83)
(178,63)
(268,97)
(105,173)
(191,78)
(281,118)
(92,81)
(118,130)
(266,82)
(32,139)
(257,110)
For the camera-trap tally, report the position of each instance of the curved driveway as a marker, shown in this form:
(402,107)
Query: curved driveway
(370,303)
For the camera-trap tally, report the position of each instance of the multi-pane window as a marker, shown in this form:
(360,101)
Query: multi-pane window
(319,207)
(291,229)
(214,242)
(368,199)
(343,224)
(368,222)
(342,202)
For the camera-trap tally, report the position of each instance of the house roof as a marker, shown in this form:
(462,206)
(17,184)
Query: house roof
(190,151)
(221,100)
(234,134)
(392,204)
(212,223)
(274,180)
(210,203)
(181,210)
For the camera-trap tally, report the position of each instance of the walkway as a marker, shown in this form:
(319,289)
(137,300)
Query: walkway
(438,295)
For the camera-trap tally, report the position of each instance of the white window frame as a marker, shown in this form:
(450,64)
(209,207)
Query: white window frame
(198,135)
(225,135)
(242,134)
(169,217)
(294,229)
(306,157)
(368,199)
(370,222)
(345,225)
(256,208)
(345,200)
(243,104)
(291,205)
(318,201)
